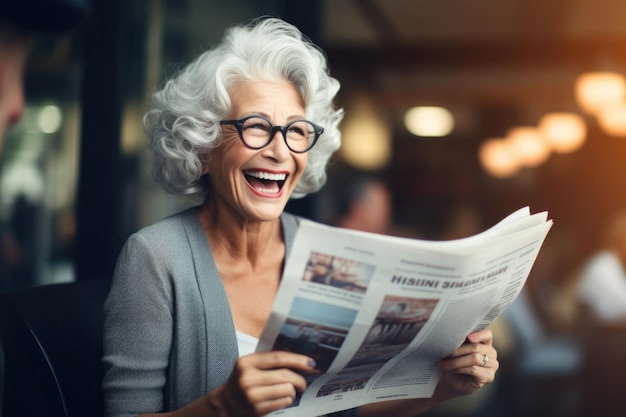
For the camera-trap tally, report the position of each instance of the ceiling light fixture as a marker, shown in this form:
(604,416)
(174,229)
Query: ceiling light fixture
(366,141)
(528,145)
(612,119)
(565,132)
(497,158)
(429,121)
(595,90)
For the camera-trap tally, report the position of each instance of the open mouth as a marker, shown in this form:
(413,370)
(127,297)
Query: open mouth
(265,182)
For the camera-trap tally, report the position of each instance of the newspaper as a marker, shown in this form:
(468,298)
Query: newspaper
(378,313)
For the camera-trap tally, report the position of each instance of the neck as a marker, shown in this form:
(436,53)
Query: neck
(240,238)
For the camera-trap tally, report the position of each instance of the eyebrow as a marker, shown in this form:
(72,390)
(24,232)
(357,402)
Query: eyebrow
(267,116)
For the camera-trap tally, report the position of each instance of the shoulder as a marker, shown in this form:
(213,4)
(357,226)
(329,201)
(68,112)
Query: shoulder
(602,271)
(604,260)
(162,252)
(165,239)
(290,225)
(290,222)
(171,226)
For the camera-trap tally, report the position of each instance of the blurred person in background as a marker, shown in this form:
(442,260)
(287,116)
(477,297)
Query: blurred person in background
(602,322)
(366,205)
(238,129)
(21,22)
(602,286)
(359,201)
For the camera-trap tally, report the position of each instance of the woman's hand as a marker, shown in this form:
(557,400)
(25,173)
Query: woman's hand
(470,367)
(261,383)
(463,373)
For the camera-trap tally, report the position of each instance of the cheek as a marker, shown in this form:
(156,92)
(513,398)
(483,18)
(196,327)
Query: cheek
(301,162)
(223,158)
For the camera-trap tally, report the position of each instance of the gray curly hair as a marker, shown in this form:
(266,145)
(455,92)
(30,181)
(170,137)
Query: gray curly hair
(182,123)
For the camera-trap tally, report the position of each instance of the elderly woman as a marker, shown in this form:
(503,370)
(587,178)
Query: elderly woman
(245,127)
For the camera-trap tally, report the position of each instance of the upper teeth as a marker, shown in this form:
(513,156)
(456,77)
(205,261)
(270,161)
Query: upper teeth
(266,175)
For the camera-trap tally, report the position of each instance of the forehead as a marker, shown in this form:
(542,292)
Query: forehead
(266,96)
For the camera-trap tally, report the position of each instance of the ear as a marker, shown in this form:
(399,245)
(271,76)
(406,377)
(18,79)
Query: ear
(205,158)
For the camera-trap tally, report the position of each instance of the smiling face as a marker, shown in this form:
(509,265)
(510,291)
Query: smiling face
(256,184)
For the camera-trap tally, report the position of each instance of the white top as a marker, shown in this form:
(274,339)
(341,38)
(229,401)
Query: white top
(603,286)
(246,343)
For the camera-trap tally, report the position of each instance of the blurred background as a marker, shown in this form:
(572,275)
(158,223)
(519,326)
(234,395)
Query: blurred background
(463,110)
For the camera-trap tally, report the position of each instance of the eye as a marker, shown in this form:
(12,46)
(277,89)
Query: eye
(298,129)
(256,126)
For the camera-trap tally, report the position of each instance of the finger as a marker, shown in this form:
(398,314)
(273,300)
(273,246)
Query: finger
(278,359)
(259,390)
(267,407)
(474,354)
(471,355)
(480,361)
(478,347)
(483,374)
(468,365)
(252,380)
(473,379)
(484,336)
(266,399)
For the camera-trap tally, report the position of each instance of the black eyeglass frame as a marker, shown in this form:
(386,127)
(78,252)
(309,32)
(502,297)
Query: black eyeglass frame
(238,123)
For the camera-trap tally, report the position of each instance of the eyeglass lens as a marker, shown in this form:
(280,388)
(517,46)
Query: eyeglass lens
(257,132)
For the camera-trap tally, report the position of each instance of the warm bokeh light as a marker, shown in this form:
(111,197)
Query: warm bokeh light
(365,137)
(565,132)
(612,120)
(429,121)
(528,146)
(595,90)
(497,159)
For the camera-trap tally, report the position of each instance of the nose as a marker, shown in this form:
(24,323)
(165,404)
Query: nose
(277,148)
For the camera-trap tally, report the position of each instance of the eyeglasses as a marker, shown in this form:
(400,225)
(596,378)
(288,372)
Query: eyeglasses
(257,132)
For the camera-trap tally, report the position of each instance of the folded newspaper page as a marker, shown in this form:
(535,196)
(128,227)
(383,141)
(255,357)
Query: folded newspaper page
(378,313)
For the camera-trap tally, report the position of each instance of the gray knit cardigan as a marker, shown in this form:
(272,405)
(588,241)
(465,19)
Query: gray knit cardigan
(169,337)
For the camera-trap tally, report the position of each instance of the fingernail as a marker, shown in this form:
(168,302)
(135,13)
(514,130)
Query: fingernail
(311,363)
(445,363)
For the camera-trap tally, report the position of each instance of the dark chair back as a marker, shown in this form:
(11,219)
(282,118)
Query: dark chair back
(50,350)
